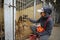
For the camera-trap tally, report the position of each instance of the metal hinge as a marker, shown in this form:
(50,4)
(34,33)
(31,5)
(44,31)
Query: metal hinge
(9,5)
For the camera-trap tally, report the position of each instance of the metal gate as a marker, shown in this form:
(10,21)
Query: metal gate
(25,8)
(2,32)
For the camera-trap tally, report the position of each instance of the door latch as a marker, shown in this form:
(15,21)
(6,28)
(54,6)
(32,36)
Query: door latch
(12,6)
(9,5)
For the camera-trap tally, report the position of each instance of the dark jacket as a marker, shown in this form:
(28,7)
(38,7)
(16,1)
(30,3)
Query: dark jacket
(42,21)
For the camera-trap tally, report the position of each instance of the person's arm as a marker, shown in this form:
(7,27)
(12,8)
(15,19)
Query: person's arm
(34,21)
(48,28)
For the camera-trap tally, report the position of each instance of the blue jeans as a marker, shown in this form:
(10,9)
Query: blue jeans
(33,28)
(45,37)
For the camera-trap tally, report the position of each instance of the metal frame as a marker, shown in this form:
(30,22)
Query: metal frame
(34,9)
(9,19)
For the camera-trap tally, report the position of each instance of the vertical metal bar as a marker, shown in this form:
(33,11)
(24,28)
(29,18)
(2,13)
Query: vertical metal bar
(21,7)
(14,13)
(34,9)
(13,18)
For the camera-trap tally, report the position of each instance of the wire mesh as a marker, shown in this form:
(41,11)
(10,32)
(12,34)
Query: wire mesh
(25,8)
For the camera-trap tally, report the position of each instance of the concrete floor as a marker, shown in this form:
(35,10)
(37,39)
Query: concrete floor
(55,34)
